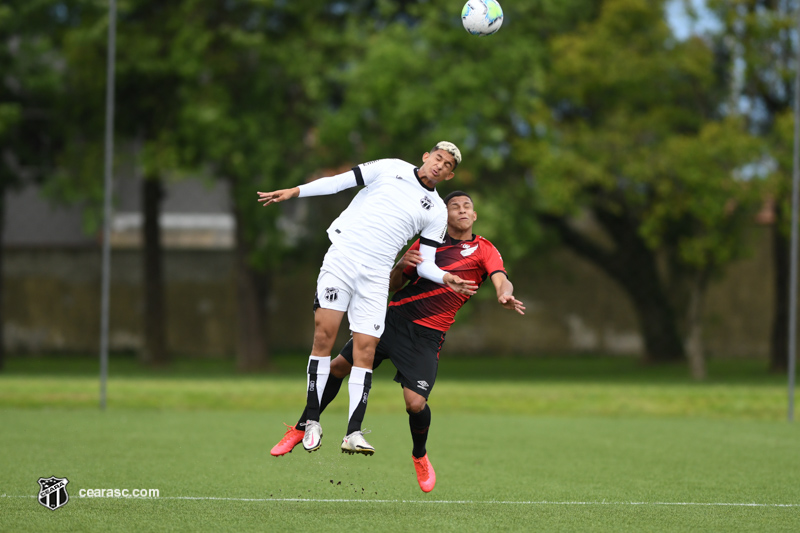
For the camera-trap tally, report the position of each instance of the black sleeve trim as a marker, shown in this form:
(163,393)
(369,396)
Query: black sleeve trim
(501,271)
(359,176)
(429,242)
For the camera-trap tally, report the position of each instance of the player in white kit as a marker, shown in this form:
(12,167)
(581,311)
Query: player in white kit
(398,202)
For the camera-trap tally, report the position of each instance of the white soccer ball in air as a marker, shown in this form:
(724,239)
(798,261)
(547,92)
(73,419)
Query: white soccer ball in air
(482,17)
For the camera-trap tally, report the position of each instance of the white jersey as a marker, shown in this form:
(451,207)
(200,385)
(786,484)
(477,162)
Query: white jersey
(392,208)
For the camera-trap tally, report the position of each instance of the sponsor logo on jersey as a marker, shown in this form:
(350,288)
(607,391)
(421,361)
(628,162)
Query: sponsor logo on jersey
(331,294)
(422,385)
(468,250)
(426,202)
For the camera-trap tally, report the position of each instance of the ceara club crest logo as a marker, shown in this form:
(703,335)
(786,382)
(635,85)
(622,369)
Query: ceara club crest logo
(53,492)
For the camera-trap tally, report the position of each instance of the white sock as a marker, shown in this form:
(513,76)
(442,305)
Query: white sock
(355,386)
(323,367)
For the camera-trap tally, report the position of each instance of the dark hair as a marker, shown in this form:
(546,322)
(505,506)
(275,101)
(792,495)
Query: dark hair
(454,194)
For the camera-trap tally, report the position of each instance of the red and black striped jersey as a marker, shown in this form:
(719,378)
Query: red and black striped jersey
(434,306)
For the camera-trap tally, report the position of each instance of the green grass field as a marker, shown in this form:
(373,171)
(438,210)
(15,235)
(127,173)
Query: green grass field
(575,444)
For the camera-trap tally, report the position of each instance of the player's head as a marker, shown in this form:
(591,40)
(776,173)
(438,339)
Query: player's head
(460,214)
(451,149)
(440,163)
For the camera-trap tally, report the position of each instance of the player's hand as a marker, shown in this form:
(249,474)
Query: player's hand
(276,197)
(461,286)
(411,258)
(509,302)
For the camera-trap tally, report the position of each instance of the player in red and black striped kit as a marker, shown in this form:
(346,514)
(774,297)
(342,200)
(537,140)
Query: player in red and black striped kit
(431,305)
(419,315)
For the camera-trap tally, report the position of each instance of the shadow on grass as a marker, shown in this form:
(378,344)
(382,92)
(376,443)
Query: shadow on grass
(562,368)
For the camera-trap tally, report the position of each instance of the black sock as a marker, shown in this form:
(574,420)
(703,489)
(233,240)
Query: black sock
(419,424)
(312,401)
(357,418)
(328,394)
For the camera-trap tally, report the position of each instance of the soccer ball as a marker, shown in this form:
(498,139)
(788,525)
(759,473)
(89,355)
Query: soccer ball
(482,17)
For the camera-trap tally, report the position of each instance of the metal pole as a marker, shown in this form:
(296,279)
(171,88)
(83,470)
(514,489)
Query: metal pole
(109,159)
(795,208)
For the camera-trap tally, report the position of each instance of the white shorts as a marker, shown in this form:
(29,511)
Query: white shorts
(344,285)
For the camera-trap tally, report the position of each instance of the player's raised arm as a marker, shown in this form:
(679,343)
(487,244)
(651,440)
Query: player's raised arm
(320,187)
(276,197)
(505,293)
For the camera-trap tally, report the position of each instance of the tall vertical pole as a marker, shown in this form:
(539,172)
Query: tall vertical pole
(108,183)
(795,208)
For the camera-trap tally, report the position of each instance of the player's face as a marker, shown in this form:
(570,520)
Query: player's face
(460,214)
(437,166)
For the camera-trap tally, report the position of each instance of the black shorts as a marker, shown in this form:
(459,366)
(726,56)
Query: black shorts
(413,349)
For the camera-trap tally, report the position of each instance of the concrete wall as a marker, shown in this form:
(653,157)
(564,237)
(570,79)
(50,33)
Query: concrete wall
(52,303)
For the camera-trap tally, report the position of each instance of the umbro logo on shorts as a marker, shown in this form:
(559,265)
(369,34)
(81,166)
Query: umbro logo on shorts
(376,326)
(426,202)
(331,294)
(422,385)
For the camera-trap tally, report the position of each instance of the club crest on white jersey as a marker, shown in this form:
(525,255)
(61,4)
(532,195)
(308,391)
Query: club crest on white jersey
(331,294)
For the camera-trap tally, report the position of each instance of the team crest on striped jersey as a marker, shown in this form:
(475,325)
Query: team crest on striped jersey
(468,250)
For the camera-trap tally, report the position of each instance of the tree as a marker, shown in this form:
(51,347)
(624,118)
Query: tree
(30,134)
(632,106)
(758,39)
(570,111)
(249,119)
(152,73)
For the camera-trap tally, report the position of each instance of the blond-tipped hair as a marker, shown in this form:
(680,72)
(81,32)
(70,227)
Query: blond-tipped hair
(450,148)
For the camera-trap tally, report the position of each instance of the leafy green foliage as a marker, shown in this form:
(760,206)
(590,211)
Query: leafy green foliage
(574,108)
(30,91)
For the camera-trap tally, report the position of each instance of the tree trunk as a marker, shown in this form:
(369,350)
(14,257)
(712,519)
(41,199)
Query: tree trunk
(694,318)
(779,345)
(154,350)
(657,321)
(252,290)
(2,271)
(634,267)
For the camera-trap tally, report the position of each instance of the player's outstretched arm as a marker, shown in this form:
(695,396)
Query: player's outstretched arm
(505,293)
(428,270)
(396,278)
(461,286)
(275,197)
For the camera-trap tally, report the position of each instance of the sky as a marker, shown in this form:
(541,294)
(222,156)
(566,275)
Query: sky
(683,26)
